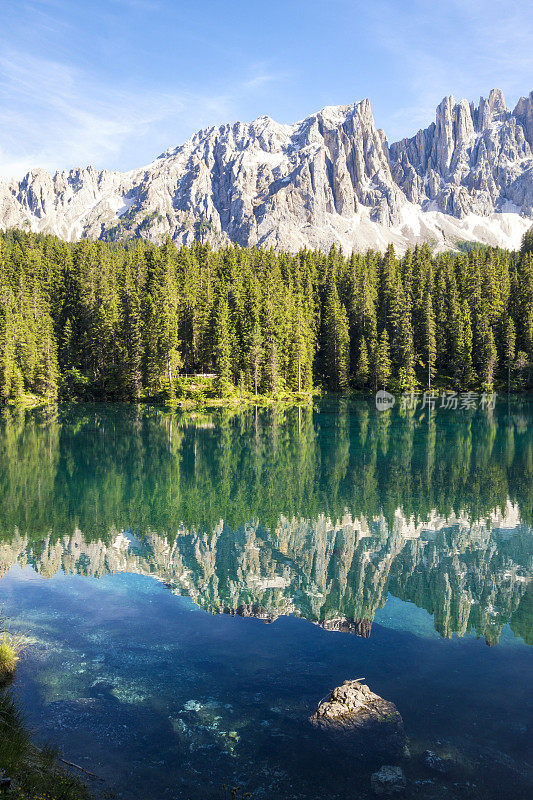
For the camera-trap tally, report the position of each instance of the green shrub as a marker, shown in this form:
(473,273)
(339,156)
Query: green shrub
(10,648)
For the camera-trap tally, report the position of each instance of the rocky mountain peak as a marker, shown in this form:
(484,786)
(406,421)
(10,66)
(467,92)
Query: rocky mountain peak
(329,179)
(524,115)
(471,161)
(492,110)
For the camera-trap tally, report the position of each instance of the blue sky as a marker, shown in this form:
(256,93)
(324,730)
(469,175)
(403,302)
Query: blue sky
(113,83)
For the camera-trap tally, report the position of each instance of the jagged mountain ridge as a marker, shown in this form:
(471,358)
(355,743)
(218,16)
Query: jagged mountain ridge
(329,179)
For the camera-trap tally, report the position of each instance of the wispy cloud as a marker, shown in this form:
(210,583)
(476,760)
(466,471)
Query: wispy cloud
(115,82)
(58,116)
(261,74)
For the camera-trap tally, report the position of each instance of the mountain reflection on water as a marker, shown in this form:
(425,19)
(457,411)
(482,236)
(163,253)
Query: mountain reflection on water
(262,513)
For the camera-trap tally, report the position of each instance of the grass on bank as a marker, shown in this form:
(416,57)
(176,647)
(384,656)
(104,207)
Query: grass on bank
(35,773)
(202,393)
(28,400)
(189,393)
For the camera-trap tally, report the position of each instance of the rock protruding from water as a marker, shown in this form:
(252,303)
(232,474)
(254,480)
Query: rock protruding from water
(362,719)
(388,780)
(354,705)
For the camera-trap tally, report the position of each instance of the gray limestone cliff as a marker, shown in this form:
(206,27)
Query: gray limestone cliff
(471,160)
(329,179)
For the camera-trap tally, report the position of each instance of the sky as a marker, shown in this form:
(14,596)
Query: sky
(113,83)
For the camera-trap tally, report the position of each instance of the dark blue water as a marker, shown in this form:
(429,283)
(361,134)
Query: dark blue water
(193,586)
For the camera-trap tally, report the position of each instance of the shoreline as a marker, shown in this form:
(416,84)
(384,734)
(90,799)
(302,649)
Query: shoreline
(237,402)
(187,404)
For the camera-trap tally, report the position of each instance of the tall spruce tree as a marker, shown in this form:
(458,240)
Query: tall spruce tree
(383,361)
(510,348)
(429,328)
(222,349)
(336,339)
(362,373)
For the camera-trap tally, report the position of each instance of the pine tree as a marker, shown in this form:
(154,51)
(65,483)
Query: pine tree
(527,242)
(7,348)
(301,347)
(487,357)
(467,369)
(510,347)
(430,348)
(66,345)
(46,380)
(402,345)
(17,385)
(133,358)
(222,353)
(256,355)
(336,339)
(251,333)
(455,332)
(362,304)
(272,332)
(362,374)
(383,362)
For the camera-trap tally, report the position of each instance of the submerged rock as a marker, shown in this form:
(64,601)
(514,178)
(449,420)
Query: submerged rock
(388,780)
(361,718)
(435,763)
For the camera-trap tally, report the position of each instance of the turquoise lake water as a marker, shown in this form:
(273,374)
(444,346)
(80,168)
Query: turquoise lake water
(193,585)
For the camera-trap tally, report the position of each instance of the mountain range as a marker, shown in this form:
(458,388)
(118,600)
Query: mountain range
(330,179)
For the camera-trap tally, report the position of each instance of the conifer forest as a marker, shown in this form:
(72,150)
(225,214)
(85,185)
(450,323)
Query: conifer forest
(97,321)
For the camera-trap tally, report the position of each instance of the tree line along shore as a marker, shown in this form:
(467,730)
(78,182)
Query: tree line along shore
(140,321)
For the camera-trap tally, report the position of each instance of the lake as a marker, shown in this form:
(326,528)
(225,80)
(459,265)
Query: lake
(194,584)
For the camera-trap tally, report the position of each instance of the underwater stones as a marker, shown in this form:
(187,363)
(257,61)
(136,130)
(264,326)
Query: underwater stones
(96,717)
(101,687)
(435,763)
(128,694)
(192,705)
(388,780)
(361,719)
(206,726)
